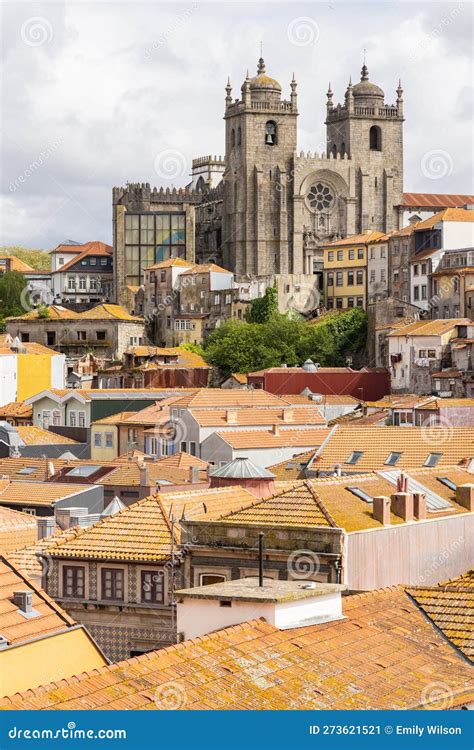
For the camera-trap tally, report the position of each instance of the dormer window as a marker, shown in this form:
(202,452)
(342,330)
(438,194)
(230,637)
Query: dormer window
(271,133)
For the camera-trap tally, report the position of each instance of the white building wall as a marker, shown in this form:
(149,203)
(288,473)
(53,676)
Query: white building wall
(58,371)
(457,234)
(8,378)
(219,280)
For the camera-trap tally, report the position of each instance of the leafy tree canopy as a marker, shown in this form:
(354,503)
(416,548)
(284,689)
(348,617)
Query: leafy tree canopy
(238,346)
(13,298)
(263,308)
(37,259)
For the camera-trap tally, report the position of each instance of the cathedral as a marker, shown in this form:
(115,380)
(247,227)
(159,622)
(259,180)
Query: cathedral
(264,210)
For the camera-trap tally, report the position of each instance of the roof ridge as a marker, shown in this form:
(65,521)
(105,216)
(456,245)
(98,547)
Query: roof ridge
(320,504)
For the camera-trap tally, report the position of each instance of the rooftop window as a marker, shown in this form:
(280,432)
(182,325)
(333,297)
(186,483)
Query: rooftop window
(432,459)
(360,494)
(447,483)
(82,471)
(354,457)
(26,470)
(392,459)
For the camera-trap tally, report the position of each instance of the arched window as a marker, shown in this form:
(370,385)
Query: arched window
(239,136)
(334,150)
(343,148)
(271,133)
(375,138)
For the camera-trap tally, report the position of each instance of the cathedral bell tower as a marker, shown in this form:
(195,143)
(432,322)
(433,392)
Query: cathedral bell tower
(258,184)
(371,133)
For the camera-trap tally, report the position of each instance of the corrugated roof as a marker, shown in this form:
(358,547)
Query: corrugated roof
(241,468)
(435,200)
(384,655)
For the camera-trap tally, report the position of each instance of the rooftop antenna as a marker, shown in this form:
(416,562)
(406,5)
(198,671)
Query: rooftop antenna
(261,49)
(365,52)
(261,537)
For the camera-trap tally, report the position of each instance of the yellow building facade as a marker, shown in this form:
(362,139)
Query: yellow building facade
(345,271)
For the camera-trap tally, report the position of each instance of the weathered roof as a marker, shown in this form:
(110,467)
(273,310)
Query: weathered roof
(37,436)
(435,200)
(13,625)
(436,327)
(100,312)
(287,438)
(451,607)
(356,239)
(384,655)
(16,264)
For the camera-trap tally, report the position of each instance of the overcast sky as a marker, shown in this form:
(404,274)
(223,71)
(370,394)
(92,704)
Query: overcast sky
(98,94)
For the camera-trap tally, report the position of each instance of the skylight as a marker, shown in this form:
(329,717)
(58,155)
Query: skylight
(360,494)
(392,458)
(447,482)
(354,457)
(26,470)
(82,471)
(433,459)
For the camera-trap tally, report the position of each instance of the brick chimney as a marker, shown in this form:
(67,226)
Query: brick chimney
(420,507)
(144,479)
(231,416)
(402,505)
(381,510)
(194,474)
(465,496)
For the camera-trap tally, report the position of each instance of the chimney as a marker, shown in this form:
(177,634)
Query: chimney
(46,527)
(49,469)
(231,416)
(402,505)
(4,482)
(402,483)
(24,601)
(194,474)
(144,480)
(381,510)
(337,470)
(275,429)
(465,496)
(284,604)
(288,415)
(420,508)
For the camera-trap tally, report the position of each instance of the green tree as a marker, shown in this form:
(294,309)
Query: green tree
(263,308)
(14,299)
(38,259)
(240,347)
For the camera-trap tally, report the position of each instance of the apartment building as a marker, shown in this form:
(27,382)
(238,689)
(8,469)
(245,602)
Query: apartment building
(345,271)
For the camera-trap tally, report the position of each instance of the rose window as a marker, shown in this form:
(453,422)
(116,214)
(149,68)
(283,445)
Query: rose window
(320,197)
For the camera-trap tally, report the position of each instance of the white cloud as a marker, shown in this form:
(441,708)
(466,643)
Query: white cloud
(117,83)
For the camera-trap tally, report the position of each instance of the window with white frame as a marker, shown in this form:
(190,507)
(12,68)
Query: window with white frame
(72,419)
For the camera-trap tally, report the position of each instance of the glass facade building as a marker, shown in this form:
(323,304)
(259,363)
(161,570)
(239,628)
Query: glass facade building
(151,238)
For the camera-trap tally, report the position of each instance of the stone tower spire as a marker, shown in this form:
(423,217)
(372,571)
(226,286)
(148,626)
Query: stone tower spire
(261,66)
(400,98)
(228,88)
(293,96)
(329,94)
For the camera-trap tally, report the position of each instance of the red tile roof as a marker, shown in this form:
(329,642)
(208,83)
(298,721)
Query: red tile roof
(435,200)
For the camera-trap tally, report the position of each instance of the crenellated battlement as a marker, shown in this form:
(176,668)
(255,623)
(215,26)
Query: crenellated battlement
(202,161)
(386,112)
(312,156)
(142,192)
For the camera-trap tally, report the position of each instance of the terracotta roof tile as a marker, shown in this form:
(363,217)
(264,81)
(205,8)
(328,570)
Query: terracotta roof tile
(16,530)
(16,628)
(38,493)
(448,214)
(268,416)
(430,327)
(284,438)
(37,436)
(356,239)
(451,607)
(435,200)
(217,398)
(255,666)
